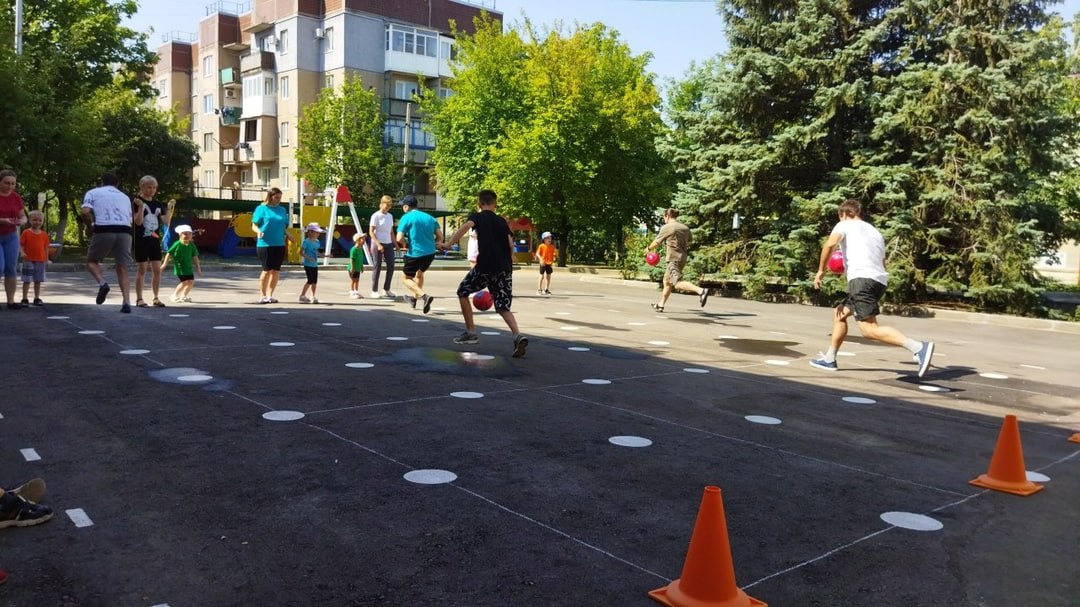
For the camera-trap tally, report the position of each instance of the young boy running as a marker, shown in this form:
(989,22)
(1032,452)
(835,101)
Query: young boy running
(493,271)
(864,264)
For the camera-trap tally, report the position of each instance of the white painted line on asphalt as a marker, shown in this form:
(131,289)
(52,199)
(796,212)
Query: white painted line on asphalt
(79,517)
(1037,367)
(30,455)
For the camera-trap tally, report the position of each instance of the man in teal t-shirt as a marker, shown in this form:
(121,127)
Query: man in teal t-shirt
(422,232)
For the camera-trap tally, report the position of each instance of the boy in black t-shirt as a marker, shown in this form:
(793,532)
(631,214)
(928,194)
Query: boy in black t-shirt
(493,270)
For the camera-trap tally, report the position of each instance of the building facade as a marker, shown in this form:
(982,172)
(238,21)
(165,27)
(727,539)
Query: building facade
(252,67)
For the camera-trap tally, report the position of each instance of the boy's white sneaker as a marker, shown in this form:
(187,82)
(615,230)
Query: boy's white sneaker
(314,300)
(375,295)
(304,299)
(354,295)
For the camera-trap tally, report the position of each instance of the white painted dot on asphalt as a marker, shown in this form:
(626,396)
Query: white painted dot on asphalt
(331,324)
(191,379)
(467,394)
(79,517)
(727,337)
(430,477)
(134,352)
(282,344)
(762,419)
(1036,367)
(91,332)
(30,455)
(596,382)
(58,317)
(637,324)
(179,315)
(1036,477)
(777,332)
(397,338)
(359,365)
(563,313)
(490,333)
(929,388)
(475,356)
(439,309)
(994,375)
(224,327)
(777,362)
(695,370)
(912,521)
(858,400)
(630,441)
(283,416)
(615,311)
(570,328)
(279,312)
(845,354)
(578,349)
(657,342)
(420,320)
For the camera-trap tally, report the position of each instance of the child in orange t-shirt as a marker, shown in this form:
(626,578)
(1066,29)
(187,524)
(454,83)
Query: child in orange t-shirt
(34,246)
(545,254)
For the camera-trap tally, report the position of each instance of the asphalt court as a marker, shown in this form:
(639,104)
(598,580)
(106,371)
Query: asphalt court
(196,499)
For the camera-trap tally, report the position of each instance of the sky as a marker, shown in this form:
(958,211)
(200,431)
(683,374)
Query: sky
(676,32)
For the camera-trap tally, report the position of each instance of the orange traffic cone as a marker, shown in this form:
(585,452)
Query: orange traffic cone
(708,576)
(1007,472)
(1075,438)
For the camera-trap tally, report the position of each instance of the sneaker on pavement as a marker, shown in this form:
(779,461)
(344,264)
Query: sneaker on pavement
(427,303)
(102,293)
(704,297)
(467,338)
(520,343)
(658,307)
(409,299)
(17,512)
(375,295)
(924,356)
(25,303)
(314,300)
(304,299)
(272,300)
(546,292)
(32,490)
(354,295)
(821,363)
(125,308)
(264,300)
(389,294)
(38,302)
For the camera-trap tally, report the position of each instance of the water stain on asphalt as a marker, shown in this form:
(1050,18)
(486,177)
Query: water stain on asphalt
(761,347)
(452,362)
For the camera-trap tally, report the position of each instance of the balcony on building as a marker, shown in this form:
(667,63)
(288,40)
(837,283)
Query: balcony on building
(230,78)
(412,50)
(257,61)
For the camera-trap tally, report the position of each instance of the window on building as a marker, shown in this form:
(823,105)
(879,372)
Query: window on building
(268,87)
(447,50)
(427,43)
(329,33)
(245,177)
(266,43)
(411,40)
(285,178)
(283,134)
(208,104)
(445,92)
(208,142)
(283,42)
(208,65)
(329,81)
(265,175)
(162,88)
(404,89)
(251,130)
(284,87)
(251,86)
(209,179)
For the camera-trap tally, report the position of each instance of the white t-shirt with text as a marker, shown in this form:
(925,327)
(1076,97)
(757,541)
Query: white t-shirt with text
(111,207)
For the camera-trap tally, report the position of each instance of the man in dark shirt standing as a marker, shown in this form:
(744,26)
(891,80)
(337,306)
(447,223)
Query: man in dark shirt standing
(493,271)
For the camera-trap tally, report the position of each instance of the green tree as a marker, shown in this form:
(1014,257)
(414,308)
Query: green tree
(563,127)
(341,142)
(945,118)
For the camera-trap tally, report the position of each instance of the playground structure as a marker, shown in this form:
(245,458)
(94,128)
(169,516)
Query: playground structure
(233,236)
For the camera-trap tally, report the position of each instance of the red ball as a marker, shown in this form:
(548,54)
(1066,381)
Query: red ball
(482,300)
(652,258)
(836,262)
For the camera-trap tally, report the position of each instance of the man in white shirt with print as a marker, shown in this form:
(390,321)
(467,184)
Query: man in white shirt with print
(864,263)
(109,211)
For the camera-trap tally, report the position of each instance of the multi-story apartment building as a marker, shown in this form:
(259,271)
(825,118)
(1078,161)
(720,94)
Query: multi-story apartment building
(245,77)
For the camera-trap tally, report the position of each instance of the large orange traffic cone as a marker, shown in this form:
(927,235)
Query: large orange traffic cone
(1075,438)
(708,576)
(1007,472)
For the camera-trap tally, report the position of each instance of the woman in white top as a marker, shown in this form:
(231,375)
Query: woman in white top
(381,229)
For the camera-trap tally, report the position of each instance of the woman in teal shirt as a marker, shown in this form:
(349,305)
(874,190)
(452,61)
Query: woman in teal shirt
(270,222)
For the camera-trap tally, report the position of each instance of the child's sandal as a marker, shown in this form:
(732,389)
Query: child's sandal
(140,304)
(158,304)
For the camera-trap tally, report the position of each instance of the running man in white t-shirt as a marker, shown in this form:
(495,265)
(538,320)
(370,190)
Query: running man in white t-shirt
(864,264)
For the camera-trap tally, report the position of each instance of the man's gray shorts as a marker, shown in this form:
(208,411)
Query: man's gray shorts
(115,245)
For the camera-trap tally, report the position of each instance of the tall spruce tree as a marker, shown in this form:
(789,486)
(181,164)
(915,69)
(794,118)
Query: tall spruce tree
(945,118)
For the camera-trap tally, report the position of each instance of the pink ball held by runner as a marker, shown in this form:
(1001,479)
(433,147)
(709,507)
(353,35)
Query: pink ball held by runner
(836,262)
(652,258)
(481,300)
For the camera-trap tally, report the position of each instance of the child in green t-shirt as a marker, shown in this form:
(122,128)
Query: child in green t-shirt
(185,257)
(356,265)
